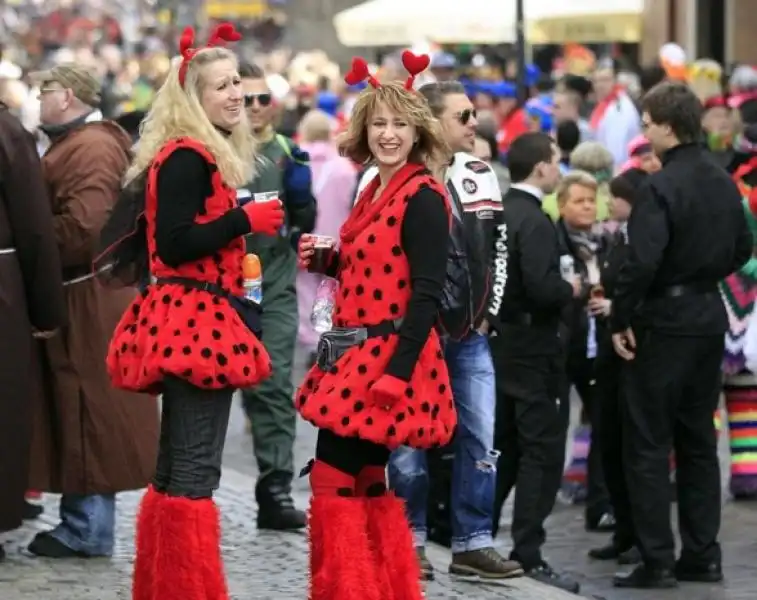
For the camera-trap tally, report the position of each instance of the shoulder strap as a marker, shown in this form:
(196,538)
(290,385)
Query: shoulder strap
(282,141)
(171,146)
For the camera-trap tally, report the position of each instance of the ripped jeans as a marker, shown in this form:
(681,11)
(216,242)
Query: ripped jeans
(474,468)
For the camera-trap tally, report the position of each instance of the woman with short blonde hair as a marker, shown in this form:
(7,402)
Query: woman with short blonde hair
(191,335)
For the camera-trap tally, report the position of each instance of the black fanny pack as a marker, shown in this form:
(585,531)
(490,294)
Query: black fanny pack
(333,344)
(250,312)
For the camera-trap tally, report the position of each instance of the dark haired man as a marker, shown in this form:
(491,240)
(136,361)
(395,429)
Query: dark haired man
(283,172)
(668,323)
(524,311)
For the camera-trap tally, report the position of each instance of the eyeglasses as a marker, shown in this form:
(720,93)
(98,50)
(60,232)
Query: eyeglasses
(263,99)
(464,116)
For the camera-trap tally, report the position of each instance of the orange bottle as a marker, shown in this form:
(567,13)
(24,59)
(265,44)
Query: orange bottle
(252,274)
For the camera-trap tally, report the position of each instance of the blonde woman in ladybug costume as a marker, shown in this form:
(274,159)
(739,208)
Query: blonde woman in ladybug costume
(380,381)
(190,335)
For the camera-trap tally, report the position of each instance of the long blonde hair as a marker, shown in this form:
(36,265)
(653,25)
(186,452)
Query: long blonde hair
(177,112)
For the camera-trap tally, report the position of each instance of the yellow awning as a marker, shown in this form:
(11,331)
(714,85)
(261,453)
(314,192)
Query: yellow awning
(226,9)
(598,29)
(584,21)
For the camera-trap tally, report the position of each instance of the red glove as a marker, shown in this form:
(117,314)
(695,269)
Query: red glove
(387,391)
(264,217)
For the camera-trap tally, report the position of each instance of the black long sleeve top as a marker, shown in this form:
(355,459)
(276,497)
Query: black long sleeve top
(184,183)
(424,239)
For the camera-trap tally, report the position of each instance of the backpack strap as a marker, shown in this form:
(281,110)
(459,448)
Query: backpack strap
(286,146)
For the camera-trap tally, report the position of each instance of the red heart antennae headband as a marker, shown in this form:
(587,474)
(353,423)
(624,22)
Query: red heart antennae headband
(219,37)
(414,64)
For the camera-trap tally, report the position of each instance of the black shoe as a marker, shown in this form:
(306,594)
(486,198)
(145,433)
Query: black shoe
(611,551)
(712,573)
(604,523)
(48,546)
(632,556)
(2,553)
(32,511)
(276,510)
(643,577)
(546,574)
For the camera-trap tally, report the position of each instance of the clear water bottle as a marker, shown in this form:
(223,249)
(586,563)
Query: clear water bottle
(323,307)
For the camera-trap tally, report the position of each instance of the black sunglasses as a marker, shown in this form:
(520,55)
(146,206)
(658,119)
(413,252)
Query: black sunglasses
(263,99)
(465,115)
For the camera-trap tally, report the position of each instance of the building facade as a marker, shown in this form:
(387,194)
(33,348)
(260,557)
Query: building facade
(719,29)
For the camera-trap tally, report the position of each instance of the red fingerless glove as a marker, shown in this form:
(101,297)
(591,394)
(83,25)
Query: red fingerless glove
(264,217)
(387,391)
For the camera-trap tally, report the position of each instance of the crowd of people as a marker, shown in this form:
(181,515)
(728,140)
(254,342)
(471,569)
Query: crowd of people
(486,256)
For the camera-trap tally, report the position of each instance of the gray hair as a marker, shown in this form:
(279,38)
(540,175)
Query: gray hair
(579,178)
(743,78)
(592,157)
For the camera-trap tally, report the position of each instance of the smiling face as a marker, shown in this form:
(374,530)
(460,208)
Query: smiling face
(390,136)
(221,95)
(258,102)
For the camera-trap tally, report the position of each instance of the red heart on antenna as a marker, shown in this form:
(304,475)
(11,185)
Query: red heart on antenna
(415,64)
(358,71)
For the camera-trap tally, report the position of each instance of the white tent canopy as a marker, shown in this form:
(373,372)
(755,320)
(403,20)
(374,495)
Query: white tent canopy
(405,22)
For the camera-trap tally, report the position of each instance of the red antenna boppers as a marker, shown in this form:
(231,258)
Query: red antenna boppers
(219,37)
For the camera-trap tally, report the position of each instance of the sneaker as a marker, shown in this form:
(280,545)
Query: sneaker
(485,564)
(427,569)
(547,575)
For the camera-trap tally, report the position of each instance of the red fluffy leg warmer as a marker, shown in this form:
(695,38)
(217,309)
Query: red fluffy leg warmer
(392,540)
(148,534)
(188,565)
(209,534)
(341,561)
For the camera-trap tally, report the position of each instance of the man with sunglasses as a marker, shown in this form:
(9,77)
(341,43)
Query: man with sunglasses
(282,172)
(476,204)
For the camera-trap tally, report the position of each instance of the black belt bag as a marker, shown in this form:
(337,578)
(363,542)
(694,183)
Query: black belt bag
(333,344)
(250,312)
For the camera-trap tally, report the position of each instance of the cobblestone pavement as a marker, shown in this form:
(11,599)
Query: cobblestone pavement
(267,566)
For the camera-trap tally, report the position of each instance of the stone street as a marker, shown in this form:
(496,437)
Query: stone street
(269,566)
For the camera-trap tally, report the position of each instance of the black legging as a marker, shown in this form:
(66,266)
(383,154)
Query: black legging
(349,455)
(192,436)
(607,394)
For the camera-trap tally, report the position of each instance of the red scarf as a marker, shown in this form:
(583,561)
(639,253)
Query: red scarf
(601,108)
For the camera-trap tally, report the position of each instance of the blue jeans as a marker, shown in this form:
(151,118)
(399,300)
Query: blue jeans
(87,523)
(474,469)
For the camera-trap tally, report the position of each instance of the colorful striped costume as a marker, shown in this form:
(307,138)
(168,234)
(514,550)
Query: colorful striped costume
(740,386)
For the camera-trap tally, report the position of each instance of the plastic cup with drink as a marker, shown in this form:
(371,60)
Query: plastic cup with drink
(323,248)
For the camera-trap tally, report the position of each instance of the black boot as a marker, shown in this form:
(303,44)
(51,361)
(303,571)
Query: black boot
(644,577)
(610,551)
(276,510)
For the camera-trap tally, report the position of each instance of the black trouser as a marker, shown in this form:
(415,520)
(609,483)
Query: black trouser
(530,429)
(349,455)
(192,436)
(669,394)
(610,434)
(582,373)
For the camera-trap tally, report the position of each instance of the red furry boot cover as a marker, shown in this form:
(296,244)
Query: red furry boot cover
(180,573)
(209,534)
(148,535)
(341,562)
(393,544)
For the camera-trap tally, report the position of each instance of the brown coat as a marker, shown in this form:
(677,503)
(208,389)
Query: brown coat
(91,438)
(30,295)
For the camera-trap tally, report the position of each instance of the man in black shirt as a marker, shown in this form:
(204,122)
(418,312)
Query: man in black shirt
(528,295)
(687,232)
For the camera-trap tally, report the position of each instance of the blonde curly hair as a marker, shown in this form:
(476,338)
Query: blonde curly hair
(177,112)
(430,149)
